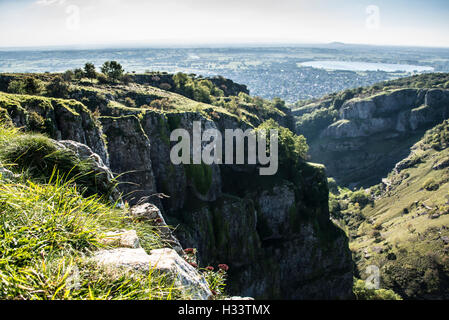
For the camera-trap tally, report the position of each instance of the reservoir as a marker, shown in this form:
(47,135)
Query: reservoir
(363,66)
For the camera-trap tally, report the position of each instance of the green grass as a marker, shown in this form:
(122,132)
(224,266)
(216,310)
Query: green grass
(401,231)
(50,227)
(38,156)
(48,231)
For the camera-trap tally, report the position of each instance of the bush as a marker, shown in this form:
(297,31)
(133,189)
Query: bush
(361,292)
(113,70)
(89,71)
(68,76)
(311,124)
(430,185)
(360,197)
(78,73)
(130,102)
(29,85)
(332,184)
(58,88)
(292,147)
(17,86)
(102,79)
(165,86)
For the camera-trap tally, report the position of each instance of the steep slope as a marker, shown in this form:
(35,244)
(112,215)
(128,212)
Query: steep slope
(274,232)
(360,134)
(64,237)
(404,230)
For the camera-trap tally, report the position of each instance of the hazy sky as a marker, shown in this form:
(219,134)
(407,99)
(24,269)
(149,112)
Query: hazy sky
(193,22)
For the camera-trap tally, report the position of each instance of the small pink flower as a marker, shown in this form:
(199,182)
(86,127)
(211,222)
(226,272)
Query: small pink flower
(158,220)
(189,250)
(210,268)
(193,264)
(223,267)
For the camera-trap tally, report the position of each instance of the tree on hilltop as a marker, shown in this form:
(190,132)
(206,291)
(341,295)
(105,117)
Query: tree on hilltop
(113,70)
(89,70)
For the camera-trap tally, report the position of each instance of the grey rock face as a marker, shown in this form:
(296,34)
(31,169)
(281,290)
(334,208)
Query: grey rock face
(374,133)
(149,212)
(122,239)
(275,209)
(130,156)
(103,174)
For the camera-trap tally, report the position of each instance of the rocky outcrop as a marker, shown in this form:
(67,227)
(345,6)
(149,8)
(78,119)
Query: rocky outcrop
(149,212)
(130,156)
(165,261)
(274,232)
(58,118)
(373,133)
(263,231)
(103,175)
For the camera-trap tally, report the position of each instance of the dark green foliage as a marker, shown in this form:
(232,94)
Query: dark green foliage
(89,71)
(17,86)
(198,90)
(28,85)
(291,147)
(360,197)
(361,292)
(200,175)
(438,137)
(311,124)
(113,70)
(58,88)
(78,74)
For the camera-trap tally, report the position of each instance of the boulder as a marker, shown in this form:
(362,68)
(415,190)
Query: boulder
(149,212)
(104,175)
(122,238)
(165,261)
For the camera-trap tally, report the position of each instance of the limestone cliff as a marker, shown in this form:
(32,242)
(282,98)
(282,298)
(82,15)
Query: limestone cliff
(368,134)
(274,232)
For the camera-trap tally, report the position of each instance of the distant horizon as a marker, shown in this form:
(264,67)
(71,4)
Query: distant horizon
(214,23)
(170,45)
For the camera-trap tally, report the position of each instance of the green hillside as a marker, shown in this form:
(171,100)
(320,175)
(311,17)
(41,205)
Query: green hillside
(401,225)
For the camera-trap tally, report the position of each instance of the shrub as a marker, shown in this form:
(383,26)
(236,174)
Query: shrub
(311,124)
(89,71)
(102,79)
(130,102)
(361,292)
(17,86)
(126,79)
(332,184)
(360,197)
(291,147)
(165,86)
(78,73)
(430,185)
(68,76)
(58,88)
(113,70)
(29,85)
